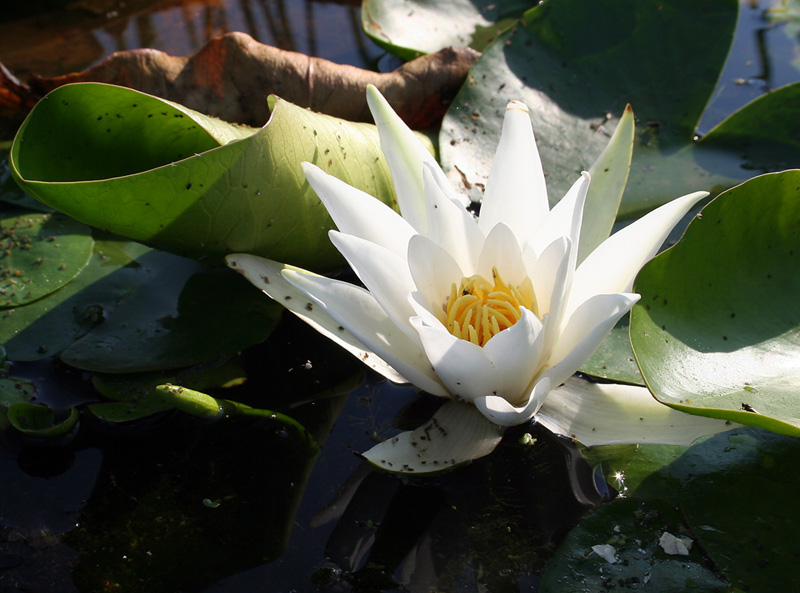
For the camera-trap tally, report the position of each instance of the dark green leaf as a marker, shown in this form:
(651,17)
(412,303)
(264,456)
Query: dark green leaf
(633,528)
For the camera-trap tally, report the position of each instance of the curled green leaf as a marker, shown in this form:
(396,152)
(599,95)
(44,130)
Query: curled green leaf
(162,174)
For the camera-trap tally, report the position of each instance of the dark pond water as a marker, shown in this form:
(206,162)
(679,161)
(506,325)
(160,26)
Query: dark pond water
(174,504)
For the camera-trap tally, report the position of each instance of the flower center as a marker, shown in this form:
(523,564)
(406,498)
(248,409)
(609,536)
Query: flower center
(478,309)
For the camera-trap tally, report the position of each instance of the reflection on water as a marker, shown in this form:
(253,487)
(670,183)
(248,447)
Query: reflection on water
(79,36)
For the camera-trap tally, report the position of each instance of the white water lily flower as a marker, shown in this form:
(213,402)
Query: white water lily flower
(495,314)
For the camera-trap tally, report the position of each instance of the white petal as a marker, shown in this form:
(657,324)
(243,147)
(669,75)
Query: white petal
(450,225)
(266,275)
(583,332)
(605,414)
(457,433)
(461,365)
(515,191)
(515,353)
(549,274)
(502,250)
(614,264)
(357,310)
(433,269)
(358,213)
(609,176)
(501,412)
(565,219)
(405,155)
(384,273)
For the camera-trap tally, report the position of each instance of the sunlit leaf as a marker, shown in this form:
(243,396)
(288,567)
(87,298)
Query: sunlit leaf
(39,253)
(162,174)
(415,27)
(716,331)
(577,74)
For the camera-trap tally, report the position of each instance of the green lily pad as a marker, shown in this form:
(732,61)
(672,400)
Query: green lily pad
(577,75)
(47,326)
(716,330)
(733,491)
(39,253)
(150,310)
(184,315)
(38,421)
(414,27)
(633,528)
(759,515)
(162,174)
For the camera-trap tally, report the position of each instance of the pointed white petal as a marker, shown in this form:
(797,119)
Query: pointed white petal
(461,365)
(515,353)
(583,332)
(266,275)
(515,191)
(447,189)
(549,274)
(605,414)
(358,213)
(450,225)
(609,176)
(501,412)
(357,310)
(405,155)
(565,219)
(384,273)
(614,264)
(433,269)
(502,250)
(457,433)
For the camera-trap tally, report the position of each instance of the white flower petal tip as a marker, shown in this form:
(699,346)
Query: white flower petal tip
(456,434)
(612,414)
(517,106)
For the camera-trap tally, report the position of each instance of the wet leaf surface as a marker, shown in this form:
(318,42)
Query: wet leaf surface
(706,339)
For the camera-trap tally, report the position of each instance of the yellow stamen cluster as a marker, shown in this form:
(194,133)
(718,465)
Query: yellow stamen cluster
(478,309)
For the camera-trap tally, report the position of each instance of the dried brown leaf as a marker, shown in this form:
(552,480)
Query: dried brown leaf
(233,74)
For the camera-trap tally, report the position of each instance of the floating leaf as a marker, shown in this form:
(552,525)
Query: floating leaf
(614,358)
(185,316)
(415,27)
(759,515)
(159,173)
(716,331)
(150,309)
(633,528)
(39,253)
(38,421)
(568,72)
